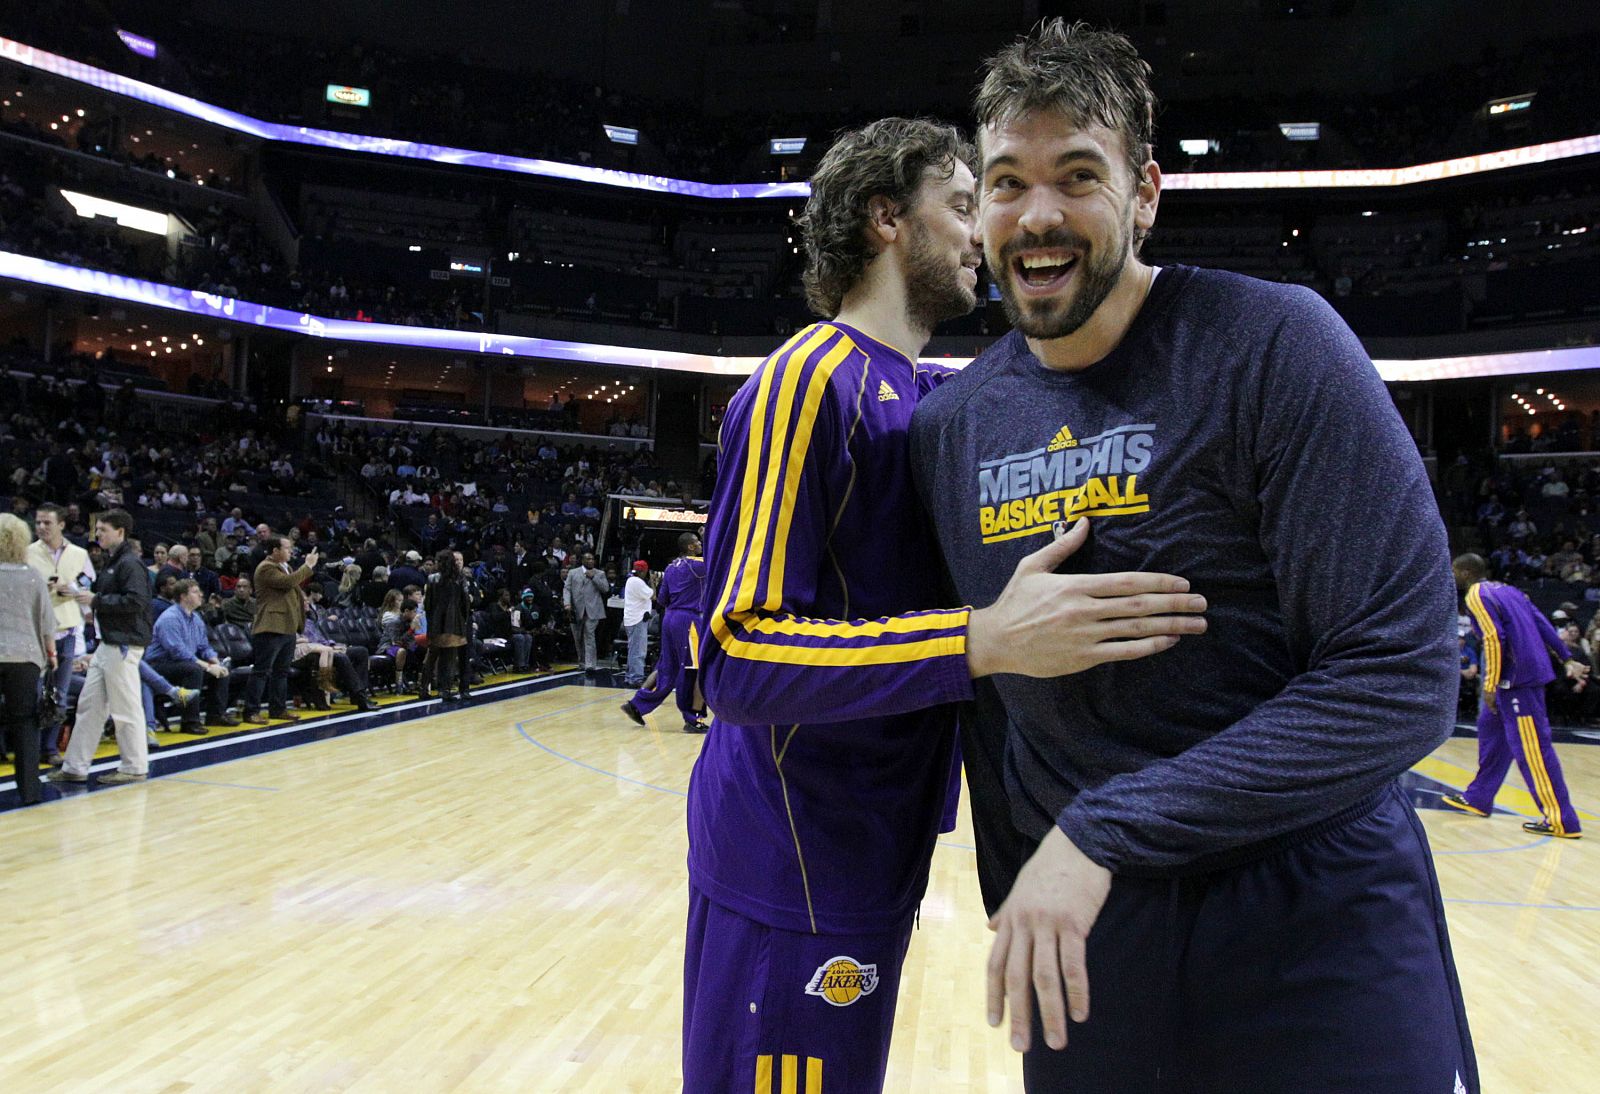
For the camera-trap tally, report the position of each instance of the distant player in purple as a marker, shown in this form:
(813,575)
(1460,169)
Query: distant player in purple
(1518,644)
(818,795)
(682,597)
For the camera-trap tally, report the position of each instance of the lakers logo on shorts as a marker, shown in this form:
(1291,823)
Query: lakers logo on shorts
(842,980)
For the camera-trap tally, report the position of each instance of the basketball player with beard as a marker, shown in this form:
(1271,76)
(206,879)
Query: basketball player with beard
(815,802)
(1218,844)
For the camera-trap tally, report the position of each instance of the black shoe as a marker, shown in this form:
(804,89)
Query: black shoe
(193,730)
(363,704)
(1544,828)
(633,713)
(463,696)
(695,727)
(228,720)
(1456,801)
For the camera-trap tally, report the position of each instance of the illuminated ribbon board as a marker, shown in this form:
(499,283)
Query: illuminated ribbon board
(67,68)
(39,271)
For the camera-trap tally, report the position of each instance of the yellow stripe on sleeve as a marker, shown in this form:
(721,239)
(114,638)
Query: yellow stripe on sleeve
(755,448)
(1491,638)
(821,628)
(793,465)
(898,653)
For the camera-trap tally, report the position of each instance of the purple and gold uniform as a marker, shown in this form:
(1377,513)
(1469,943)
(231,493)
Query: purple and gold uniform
(1518,642)
(682,597)
(816,800)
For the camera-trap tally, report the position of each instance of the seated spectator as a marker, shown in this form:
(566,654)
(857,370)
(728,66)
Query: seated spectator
(337,663)
(238,609)
(181,653)
(177,563)
(166,586)
(395,621)
(158,559)
(349,586)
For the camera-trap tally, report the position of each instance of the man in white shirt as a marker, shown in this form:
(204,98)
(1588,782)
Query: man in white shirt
(66,568)
(637,596)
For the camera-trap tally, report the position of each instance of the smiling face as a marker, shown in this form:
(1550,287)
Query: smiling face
(941,257)
(1060,210)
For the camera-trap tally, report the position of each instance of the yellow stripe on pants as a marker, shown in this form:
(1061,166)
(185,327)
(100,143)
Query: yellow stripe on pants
(1544,789)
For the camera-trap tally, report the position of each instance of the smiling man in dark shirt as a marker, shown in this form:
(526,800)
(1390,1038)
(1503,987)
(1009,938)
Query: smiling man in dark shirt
(1223,816)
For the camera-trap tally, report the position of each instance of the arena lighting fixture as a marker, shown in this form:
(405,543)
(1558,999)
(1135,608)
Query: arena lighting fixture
(109,286)
(141,45)
(15,51)
(621,134)
(345,95)
(129,216)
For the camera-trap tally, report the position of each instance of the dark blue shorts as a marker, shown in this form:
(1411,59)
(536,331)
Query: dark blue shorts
(1324,966)
(773,1011)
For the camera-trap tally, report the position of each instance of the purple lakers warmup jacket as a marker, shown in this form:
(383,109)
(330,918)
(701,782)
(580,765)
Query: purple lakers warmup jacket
(1517,639)
(683,585)
(818,794)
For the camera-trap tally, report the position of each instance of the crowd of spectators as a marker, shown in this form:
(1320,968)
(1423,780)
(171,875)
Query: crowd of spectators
(94,141)
(506,520)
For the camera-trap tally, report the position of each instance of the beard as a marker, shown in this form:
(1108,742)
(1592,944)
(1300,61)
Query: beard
(1057,317)
(935,290)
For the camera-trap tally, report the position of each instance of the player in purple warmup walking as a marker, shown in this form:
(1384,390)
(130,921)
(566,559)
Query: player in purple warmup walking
(682,596)
(817,797)
(1518,643)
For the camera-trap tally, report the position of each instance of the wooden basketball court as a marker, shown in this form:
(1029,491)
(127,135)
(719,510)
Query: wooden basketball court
(493,899)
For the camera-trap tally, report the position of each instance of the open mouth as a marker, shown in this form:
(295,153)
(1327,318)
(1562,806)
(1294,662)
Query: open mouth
(1044,271)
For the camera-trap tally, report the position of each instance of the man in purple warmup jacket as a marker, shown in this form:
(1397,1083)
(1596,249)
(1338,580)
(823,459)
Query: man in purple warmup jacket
(682,596)
(827,652)
(1518,644)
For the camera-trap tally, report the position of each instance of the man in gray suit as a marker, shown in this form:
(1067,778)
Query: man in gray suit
(584,597)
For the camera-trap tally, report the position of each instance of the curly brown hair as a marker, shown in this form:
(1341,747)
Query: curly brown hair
(887,158)
(1093,77)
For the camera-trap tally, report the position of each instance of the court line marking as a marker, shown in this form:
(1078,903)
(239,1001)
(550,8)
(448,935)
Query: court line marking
(413,708)
(526,736)
(1518,904)
(80,791)
(946,843)
(649,786)
(209,782)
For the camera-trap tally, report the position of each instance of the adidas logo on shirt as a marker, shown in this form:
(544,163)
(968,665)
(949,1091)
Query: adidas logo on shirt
(885,392)
(1063,439)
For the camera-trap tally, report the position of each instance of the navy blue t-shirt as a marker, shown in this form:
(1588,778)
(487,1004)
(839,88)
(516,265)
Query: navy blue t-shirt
(1240,437)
